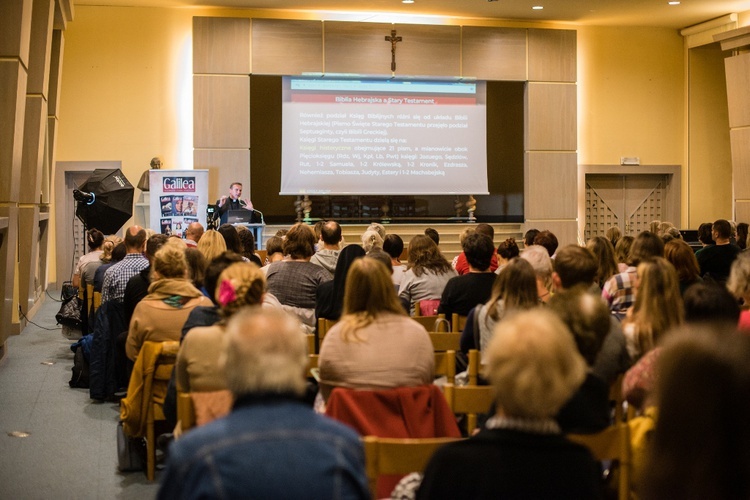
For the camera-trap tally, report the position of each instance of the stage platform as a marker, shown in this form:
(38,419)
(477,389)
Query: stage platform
(449,233)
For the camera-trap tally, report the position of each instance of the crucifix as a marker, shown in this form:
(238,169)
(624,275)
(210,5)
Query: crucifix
(394,40)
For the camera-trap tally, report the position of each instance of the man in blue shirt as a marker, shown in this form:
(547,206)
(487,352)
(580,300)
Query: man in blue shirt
(271,445)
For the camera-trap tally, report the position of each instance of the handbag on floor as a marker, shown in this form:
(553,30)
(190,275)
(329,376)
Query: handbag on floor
(131,452)
(70,313)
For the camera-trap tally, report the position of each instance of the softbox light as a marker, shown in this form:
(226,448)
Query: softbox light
(112,203)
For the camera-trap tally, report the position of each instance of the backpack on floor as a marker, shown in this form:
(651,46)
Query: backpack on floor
(80,368)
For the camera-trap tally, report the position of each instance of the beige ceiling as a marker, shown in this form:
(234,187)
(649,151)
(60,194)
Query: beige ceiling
(654,13)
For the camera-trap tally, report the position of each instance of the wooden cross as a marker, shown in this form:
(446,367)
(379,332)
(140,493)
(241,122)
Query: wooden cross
(394,40)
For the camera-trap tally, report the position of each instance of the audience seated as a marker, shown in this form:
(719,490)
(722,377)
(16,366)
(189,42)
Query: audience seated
(613,234)
(393,245)
(274,250)
(576,267)
(534,367)
(231,238)
(739,286)
(112,254)
(427,274)
(539,258)
(212,244)
(294,281)
(94,239)
(742,233)
(682,257)
(326,257)
(619,291)
(528,237)
(433,235)
(506,250)
(271,445)
(514,289)
(162,313)
(371,239)
(116,278)
(247,238)
(547,240)
(329,298)
(197,370)
(604,252)
(622,251)
(658,306)
(460,263)
(587,318)
(137,286)
(463,293)
(374,345)
(699,448)
(715,261)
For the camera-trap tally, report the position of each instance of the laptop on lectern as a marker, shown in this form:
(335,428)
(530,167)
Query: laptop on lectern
(240,217)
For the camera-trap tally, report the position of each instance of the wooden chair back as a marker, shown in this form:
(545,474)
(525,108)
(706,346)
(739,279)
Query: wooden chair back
(312,363)
(445,341)
(445,365)
(162,374)
(469,400)
(185,411)
(436,323)
(323,326)
(398,456)
(262,254)
(613,443)
(458,322)
(473,368)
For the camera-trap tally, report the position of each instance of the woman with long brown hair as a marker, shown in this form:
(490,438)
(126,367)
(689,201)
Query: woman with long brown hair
(374,345)
(682,257)
(515,289)
(427,274)
(658,306)
(605,255)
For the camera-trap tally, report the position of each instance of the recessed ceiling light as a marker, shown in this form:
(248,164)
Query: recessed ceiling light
(538,7)
(407,1)
(674,3)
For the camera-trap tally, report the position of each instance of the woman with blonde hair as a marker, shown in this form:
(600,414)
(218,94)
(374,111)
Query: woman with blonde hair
(427,273)
(374,345)
(171,297)
(212,244)
(534,368)
(658,306)
(604,252)
(197,370)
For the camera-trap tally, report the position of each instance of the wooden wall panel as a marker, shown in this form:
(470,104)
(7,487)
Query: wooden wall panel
(286,47)
(427,50)
(551,117)
(740,142)
(221,112)
(28,255)
(358,48)
(552,55)
(494,53)
(551,185)
(15,26)
(224,166)
(41,46)
(55,72)
(12,113)
(8,252)
(221,45)
(742,210)
(35,133)
(738,83)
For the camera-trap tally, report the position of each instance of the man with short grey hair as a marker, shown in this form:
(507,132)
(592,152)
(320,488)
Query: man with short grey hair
(271,445)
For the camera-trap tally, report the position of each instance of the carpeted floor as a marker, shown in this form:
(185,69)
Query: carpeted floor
(71,448)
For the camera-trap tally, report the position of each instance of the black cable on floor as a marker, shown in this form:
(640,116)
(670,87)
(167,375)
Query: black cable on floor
(51,297)
(36,325)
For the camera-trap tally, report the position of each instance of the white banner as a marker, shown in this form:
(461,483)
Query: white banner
(178,197)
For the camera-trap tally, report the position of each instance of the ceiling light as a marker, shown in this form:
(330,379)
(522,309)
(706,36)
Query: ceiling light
(407,1)
(674,3)
(538,7)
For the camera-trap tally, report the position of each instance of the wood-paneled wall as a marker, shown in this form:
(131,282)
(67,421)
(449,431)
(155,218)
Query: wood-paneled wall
(544,58)
(737,66)
(31,50)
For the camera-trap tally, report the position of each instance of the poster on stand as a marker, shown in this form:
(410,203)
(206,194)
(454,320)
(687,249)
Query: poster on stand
(178,197)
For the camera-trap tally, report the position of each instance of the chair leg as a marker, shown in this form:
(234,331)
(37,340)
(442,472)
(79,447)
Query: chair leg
(150,449)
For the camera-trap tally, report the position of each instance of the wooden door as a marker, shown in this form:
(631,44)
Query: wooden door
(629,202)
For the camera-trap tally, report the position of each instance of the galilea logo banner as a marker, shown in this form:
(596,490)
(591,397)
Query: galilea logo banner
(178,184)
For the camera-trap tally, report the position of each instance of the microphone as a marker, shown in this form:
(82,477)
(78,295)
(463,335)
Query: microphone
(261,216)
(84,197)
